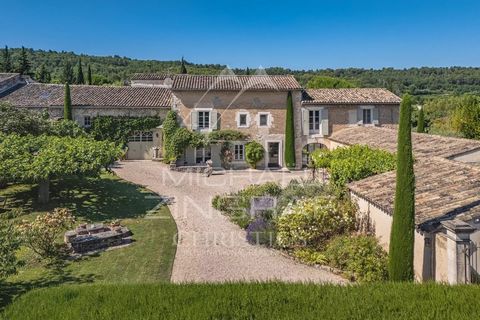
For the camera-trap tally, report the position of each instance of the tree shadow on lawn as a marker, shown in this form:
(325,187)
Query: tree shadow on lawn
(91,199)
(57,276)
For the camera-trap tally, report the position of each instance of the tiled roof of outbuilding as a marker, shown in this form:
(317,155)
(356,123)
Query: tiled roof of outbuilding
(350,96)
(44,95)
(423,144)
(444,188)
(235,83)
(5,76)
(150,76)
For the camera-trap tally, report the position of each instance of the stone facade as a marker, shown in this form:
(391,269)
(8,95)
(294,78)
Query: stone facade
(228,107)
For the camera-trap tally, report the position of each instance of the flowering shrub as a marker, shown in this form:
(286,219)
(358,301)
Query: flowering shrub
(359,256)
(312,222)
(40,235)
(237,205)
(261,231)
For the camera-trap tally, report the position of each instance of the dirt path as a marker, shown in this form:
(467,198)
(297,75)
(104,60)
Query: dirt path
(210,247)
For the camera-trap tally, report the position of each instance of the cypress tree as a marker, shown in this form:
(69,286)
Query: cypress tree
(67,105)
(24,64)
(7,61)
(89,75)
(400,264)
(183,69)
(247,72)
(43,75)
(421,120)
(80,78)
(289,134)
(67,73)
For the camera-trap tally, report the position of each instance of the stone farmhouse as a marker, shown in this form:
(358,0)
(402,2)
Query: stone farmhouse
(447,169)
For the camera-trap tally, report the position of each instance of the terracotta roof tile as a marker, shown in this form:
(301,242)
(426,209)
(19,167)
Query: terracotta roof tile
(150,76)
(44,95)
(350,96)
(423,144)
(235,83)
(444,188)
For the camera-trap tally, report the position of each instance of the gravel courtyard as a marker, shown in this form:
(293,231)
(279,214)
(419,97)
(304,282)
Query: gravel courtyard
(210,247)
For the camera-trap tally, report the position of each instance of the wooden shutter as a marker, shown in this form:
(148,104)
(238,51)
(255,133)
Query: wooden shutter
(213,120)
(324,122)
(352,117)
(305,124)
(375,116)
(194,119)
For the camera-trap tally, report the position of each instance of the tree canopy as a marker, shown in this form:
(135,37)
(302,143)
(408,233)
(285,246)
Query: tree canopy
(319,82)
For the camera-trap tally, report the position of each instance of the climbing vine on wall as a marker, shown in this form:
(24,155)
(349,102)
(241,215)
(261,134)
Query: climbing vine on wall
(118,129)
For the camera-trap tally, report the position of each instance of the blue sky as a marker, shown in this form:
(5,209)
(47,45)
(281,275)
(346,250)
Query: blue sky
(293,34)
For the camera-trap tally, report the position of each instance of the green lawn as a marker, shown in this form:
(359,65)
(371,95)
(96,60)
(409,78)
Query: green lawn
(248,301)
(148,259)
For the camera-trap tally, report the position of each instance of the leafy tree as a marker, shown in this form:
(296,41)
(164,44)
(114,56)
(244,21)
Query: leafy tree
(328,82)
(80,78)
(41,235)
(466,117)
(21,122)
(40,159)
(7,61)
(9,244)
(89,75)
(66,128)
(67,73)
(24,63)
(400,264)
(183,69)
(290,134)
(42,75)
(67,104)
(421,120)
(254,152)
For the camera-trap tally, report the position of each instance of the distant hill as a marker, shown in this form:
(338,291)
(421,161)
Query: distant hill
(418,81)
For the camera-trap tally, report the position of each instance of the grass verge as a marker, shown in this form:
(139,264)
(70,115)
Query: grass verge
(247,301)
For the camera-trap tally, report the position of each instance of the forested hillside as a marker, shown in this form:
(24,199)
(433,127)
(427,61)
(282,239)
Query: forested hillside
(116,70)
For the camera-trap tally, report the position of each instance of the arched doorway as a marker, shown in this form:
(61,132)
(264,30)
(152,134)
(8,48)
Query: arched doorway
(308,149)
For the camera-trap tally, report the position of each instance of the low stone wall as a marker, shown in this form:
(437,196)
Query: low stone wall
(195,169)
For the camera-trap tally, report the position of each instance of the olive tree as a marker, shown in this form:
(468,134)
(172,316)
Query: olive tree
(43,158)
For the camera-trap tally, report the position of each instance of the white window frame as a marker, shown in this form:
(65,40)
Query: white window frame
(318,122)
(203,154)
(370,108)
(269,119)
(206,124)
(85,121)
(240,147)
(247,119)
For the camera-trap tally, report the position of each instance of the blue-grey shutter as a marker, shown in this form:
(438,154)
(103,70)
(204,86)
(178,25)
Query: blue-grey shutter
(375,116)
(352,117)
(305,123)
(324,122)
(214,120)
(359,116)
(194,119)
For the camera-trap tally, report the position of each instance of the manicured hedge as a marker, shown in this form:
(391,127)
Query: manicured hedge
(248,301)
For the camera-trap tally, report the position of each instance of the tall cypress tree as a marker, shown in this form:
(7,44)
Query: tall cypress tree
(67,105)
(400,264)
(43,75)
(24,64)
(67,73)
(89,75)
(183,69)
(421,120)
(247,72)
(80,79)
(7,61)
(289,134)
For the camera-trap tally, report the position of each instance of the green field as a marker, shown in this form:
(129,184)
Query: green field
(248,301)
(148,259)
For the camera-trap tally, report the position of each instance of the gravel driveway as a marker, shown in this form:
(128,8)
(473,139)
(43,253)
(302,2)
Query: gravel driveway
(210,247)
